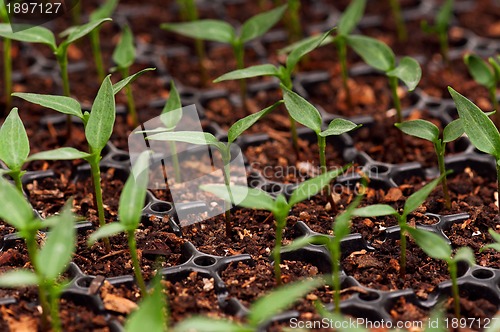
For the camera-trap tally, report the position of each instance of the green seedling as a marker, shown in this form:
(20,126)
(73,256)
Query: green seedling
(306,114)
(39,34)
(98,126)
(283,73)
(124,57)
(76,13)
(399,20)
(486,76)
(436,247)
(203,138)
(348,21)
(481,131)
(189,13)
(440,27)
(104,11)
(293,21)
(260,312)
(60,243)
(411,204)
(495,245)
(223,32)
(15,148)
(152,312)
(7,59)
(129,214)
(279,206)
(379,56)
(170,116)
(341,228)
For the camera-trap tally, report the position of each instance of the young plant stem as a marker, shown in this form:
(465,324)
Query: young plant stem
(494,101)
(335,251)
(402,263)
(54,312)
(393,84)
(96,179)
(200,53)
(7,65)
(62,60)
(280,224)
(18,181)
(498,180)
(175,162)
(133,119)
(239,49)
(342,51)
(322,162)
(398,18)
(294,28)
(95,43)
(76,13)
(440,149)
(226,159)
(132,245)
(452,268)
(443,44)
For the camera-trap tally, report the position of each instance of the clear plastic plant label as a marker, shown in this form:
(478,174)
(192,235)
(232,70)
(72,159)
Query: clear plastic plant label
(24,14)
(178,168)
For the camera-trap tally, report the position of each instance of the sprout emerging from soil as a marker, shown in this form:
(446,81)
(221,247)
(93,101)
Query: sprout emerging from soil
(483,75)
(129,213)
(436,247)
(283,73)
(223,32)
(203,138)
(260,312)
(479,128)
(279,206)
(7,59)
(411,204)
(380,56)
(440,27)
(49,261)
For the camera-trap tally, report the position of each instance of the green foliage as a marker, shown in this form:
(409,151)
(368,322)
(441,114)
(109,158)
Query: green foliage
(485,75)
(496,244)
(124,53)
(440,27)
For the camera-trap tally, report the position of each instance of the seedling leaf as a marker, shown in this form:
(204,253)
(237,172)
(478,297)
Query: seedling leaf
(417,198)
(312,186)
(254,71)
(124,82)
(106,231)
(432,244)
(103,11)
(305,47)
(212,30)
(478,127)
(102,117)
(301,242)
(124,53)
(301,110)
(81,31)
(62,104)
(420,128)
(172,111)
(259,24)
(338,127)
(479,70)
(453,130)
(351,17)
(247,197)
(14,210)
(191,137)
(375,210)
(59,154)
(465,254)
(18,278)
(36,34)
(14,144)
(408,71)
(374,52)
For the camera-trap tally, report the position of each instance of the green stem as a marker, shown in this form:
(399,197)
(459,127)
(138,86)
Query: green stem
(54,312)
(342,52)
(277,248)
(62,59)
(175,162)
(452,268)
(95,43)
(440,149)
(239,53)
(494,101)
(393,83)
(130,99)
(294,28)
(398,18)
(17,177)
(402,264)
(132,245)
(335,252)
(322,149)
(226,159)
(498,180)
(96,179)
(76,13)
(443,44)
(7,65)
(32,248)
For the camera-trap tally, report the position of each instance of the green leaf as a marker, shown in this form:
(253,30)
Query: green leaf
(259,24)
(293,46)
(342,225)
(36,34)
(420,128)
(104,11)
(496,67)
(126,81)
(374,52)
(279,299)
(14,144)
(443,17)
(417,198)
(312,186)
(59,246)
(133,194)
(306,47)
(205,324)
(479,70)
(151,313)
(339,126)
(14,210)
(191,137)
(81,31)
(107,230)
(254,71)
(408,71)
(102,117)
(375,210)
(243,196)
(243,124)
(124,53)
(453,130)
(304,241)
(62,104)
(301,110)
(432,244)
(212,30)
(478,127)
(465,254)
(494,246)
(59,154)
(351,17)
(18,278)
(172,111)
